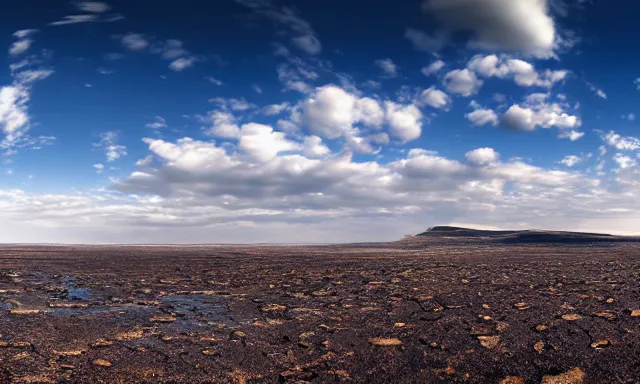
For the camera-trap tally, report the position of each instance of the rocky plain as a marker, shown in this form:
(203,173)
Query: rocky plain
(447,306)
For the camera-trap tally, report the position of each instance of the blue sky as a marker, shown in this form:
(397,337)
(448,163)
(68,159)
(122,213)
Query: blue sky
(298,121)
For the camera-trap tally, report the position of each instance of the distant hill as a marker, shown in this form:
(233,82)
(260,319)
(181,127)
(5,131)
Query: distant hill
(523,236)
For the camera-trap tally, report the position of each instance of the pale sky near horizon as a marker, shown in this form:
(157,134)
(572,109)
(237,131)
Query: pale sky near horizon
(243,121)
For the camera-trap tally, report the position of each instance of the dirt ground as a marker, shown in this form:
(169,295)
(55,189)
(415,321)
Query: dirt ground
(422,310)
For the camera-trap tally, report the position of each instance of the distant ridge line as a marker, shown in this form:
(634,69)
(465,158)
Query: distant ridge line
(523,236)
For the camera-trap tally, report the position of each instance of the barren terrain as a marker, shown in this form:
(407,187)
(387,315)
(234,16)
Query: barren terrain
(448,307)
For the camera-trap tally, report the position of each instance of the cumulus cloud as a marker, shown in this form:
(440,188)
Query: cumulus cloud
(405,121)
(522,72)
(222,124)
(313,147)
(624,161)
(619,142)
(435,98)
(263,143)
(182,63)
(388,67)
(537,111)
(481,117)
(571,135)
(520,26)
(462,82)
(571,160)
(331,112)
(276,109)
(482,156)
(134,41)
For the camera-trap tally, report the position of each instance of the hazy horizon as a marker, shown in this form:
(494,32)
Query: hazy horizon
(254,121)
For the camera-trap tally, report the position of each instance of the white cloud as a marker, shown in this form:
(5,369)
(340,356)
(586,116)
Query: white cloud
(433,68)
(158,123)
(276,109)
(462,82)
(571,160)
(93,6)
(109,144)
(20,47)
(481,117)
(599,92)
(630,117)
(404,121)
(313,147)
(522,72)
(262,143)
(24,33)
(172,49)
(388,67)
(521,26)
(291,80)
(539,112)
(14,99)
(99,168)
(213,80)
(308,43)
(519,118)
(330,112)
(571,135)
(134,42)
(14,118)
(624,161)
(75,19)
(435,98)
(223,124)
(619,142)
(182,63)
(482,156)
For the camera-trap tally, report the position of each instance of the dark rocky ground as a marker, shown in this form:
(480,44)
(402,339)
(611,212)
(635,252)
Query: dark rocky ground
(438,308)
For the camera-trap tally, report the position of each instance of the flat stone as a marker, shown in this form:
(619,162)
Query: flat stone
(274,308)
(131,335)
(72,352)
(210,352)
(571,317)
(574,376)
(635,313)
(23,311)
(489,342)
(101,343)
(68,305)
(385,342)
(101,363)
(539,346)
(513,380)
(600,344)
(162,319)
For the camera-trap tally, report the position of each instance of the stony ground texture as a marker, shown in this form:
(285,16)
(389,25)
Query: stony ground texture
(416,311)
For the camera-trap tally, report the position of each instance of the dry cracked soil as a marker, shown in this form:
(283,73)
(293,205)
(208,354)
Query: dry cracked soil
(422,310)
